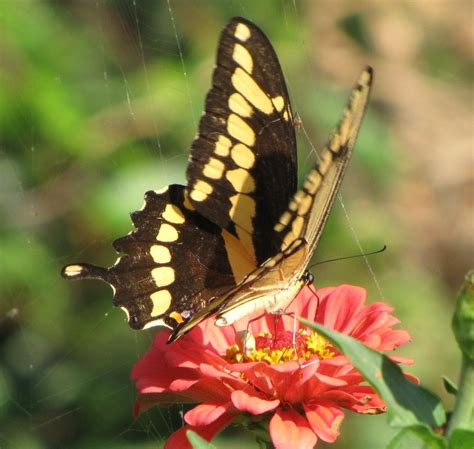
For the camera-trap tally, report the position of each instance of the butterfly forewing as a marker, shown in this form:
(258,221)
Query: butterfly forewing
(242,166)
(309,208)
(273,285)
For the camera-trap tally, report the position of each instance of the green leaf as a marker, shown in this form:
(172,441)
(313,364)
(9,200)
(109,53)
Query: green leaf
(450,386)
(417,437)
(408,403)
(461,439)
(198,442)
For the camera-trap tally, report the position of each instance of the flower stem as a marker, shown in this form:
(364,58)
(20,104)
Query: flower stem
(463,414)
(463,329)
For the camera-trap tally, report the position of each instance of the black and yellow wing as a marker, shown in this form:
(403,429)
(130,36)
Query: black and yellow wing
(238,237)
(173,264)
(242,167)
(194,243)
(277,280)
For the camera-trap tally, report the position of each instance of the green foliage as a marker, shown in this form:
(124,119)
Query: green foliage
(417,437)
(461,439)
(450,386)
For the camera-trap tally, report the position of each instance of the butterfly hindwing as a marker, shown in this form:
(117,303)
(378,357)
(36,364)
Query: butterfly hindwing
(173,264)
(265,288)
(242,167)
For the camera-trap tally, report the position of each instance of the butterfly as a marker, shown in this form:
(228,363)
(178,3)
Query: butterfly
(238,237)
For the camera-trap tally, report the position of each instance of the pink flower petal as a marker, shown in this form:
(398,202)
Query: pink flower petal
(179,440)
(341,307)
(176,385)
(288,430)
(401,360)
(360,399)
(215,372)
(218,338)
(330,381)
(195,369)
(247,402)
(394,338)
(325,419)
(205,414)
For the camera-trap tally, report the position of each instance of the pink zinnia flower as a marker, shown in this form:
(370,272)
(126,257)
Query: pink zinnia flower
(272,368)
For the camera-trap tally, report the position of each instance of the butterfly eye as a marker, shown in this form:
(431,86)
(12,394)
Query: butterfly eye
(308,277)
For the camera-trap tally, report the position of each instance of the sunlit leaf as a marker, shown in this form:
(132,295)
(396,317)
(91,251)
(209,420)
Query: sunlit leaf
(417,437)
(461,439)
(450,386)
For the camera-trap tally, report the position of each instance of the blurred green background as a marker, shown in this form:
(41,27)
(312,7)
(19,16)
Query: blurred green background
(99,101)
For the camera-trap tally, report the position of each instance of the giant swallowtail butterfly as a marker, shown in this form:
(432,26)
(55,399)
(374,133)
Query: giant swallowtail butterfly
(239,236)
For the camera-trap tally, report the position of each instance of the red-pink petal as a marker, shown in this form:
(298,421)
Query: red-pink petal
(179,440)
(325,419)
(330,381)
(341,307)
(246,402)
(205,414)
(401,360)
(288,430)
(394,338)
(218,338)
(195,370)
(212,371)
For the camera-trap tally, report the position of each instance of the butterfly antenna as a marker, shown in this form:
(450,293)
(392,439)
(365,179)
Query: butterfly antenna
(378,251)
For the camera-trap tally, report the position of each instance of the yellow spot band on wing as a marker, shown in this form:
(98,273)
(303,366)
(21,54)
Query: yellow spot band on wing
(240,130)
(186,203)
(305,204)
(239,105)
(160,254)
(241,180)
(163,276)
(279,103)
(223,145)
(73,270)
(167,233)
(201,190)
(243,156)
(243,211)
(242,32)
(214,169)
(311,184)
(161,301)
(240,261)
(297,226)
(325,162)
(242,57)
(173,214)
(252,92)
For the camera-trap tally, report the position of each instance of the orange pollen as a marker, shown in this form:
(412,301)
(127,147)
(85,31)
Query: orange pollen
(280,347)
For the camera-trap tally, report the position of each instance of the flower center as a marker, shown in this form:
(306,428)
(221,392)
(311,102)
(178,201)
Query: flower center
(279,347)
